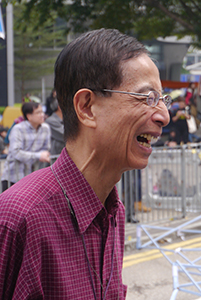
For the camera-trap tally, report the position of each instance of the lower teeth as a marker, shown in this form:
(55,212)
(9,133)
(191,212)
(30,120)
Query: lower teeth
(145,144)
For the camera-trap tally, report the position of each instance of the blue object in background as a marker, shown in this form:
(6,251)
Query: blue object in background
(2,32)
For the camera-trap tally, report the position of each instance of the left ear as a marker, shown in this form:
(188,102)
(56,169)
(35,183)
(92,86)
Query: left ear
(83,103)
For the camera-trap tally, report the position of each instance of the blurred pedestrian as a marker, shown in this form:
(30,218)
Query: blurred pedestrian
(3,147)
(133,195)
(190,93)
(171,141)
(26,98)
(192,129)
(49,100)
(55,121)
(16,121)
(179,117)
(191,101)
(29,142)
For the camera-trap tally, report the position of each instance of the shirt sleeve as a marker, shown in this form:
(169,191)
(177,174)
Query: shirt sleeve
(11,250)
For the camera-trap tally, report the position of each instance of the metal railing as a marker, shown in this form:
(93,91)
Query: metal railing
(168,188)
(186,261)
(38,165)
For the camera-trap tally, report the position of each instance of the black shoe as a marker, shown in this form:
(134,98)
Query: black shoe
(134,220)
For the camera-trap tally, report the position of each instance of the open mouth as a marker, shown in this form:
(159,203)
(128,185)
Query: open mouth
(146,139)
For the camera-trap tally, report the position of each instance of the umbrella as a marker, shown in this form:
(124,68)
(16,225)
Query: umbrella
(35,99)
(175,94)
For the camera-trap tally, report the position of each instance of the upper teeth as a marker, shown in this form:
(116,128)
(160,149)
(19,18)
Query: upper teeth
(149,137)
(146,136)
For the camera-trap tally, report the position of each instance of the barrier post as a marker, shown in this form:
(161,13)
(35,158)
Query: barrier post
(138,237)
(183,181)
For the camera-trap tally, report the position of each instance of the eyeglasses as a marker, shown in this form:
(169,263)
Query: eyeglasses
(39,112)
(152,98)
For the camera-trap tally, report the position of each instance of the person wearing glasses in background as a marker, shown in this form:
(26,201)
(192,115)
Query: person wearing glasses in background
(63,226)
(29,142)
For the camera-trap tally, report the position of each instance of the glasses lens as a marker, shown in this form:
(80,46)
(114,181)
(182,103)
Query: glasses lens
(167,101)
(152,99)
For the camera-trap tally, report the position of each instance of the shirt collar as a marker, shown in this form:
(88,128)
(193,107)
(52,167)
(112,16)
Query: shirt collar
(85,203)
(30,126)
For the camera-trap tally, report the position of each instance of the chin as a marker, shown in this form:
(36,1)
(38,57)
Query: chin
(139,164)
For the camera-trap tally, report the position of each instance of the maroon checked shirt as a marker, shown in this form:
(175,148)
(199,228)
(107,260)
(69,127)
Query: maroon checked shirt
(42,253)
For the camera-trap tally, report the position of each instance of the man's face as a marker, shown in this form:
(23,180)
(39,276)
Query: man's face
(127,124)
(37,117)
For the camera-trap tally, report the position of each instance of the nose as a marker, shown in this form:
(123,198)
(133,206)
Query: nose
(161,115)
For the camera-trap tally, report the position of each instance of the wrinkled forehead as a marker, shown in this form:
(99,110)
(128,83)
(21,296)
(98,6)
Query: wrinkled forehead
(141,74)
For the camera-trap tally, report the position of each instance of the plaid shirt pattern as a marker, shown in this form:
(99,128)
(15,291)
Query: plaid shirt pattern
(26,144)
(42,254)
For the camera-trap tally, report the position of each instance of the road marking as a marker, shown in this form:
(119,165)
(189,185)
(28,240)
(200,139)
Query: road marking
(133,259)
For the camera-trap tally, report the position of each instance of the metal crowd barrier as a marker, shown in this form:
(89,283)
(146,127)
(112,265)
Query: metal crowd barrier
(36,166)
(170,186)
(185,261)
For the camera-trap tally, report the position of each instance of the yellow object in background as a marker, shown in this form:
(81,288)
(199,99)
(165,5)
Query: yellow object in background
(10,114)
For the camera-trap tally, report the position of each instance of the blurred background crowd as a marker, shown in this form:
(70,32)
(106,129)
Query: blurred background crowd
(51,115)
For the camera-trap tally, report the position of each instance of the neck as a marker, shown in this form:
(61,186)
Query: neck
(36,126)
(94,168)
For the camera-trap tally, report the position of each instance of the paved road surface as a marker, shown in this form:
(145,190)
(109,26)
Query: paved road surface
(148,274)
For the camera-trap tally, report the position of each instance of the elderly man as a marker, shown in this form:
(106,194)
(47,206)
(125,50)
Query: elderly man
(62,228)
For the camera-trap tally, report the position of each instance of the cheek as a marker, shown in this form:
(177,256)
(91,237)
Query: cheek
(119,124)
(136,117)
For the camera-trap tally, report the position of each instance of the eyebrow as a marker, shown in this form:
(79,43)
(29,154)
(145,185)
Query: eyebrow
(146,88)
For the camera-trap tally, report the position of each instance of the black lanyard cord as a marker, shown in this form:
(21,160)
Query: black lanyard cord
(90,267)
(112,266)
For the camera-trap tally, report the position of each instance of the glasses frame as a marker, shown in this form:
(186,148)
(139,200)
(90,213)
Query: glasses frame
(39,112)
(163,98)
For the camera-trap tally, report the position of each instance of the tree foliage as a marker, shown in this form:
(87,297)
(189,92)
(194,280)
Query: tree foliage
(144,18)
(35,50)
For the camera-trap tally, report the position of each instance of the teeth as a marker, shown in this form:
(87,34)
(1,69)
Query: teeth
(145,144)
(151,139)
(154,139)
